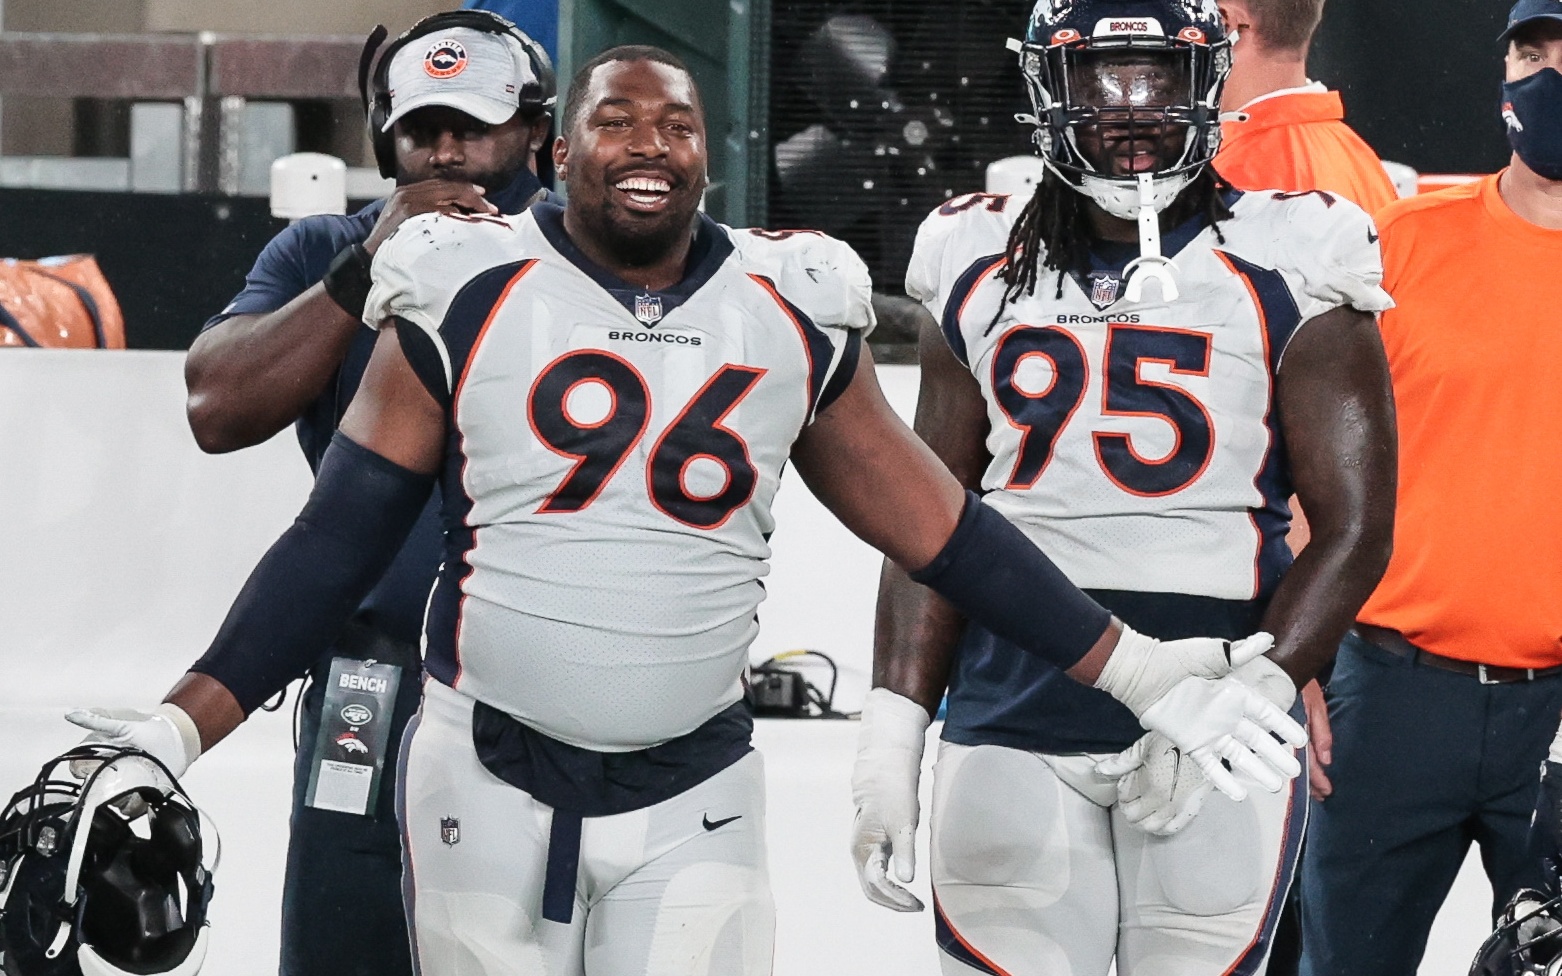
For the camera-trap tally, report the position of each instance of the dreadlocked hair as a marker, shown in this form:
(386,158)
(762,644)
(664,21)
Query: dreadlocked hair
(1054,232)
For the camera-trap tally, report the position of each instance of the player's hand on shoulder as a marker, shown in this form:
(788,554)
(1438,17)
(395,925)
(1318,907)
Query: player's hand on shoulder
(1186,690)
(884,790)
(1160,788)
(166,733)
(428,196)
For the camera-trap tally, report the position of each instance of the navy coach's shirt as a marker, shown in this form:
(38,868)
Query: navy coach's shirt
(293,262)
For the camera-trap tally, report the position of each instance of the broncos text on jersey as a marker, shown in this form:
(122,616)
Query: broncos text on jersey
(613,454)
(1136,443)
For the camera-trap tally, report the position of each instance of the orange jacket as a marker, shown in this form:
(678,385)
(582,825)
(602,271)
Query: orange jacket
(1473,343)
(1299,141)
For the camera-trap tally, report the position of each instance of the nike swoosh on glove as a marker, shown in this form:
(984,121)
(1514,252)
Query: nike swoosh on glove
(166,733)
(884,788)
(1185,690)
(1160,789)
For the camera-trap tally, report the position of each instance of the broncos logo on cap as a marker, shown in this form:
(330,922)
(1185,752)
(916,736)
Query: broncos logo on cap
(444,59)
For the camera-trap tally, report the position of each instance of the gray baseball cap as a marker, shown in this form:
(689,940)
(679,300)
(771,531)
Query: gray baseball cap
(472,71)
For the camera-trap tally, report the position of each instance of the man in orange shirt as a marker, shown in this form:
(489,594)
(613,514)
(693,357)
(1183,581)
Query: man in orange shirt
(1446,695)
(1282,131)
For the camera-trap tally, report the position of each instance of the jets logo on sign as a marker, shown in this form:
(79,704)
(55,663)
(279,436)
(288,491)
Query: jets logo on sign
(356,714)
(1104,289)
(450,831)
(445,59)
(648,309)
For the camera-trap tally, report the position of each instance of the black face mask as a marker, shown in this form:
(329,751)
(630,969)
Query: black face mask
(1532,108)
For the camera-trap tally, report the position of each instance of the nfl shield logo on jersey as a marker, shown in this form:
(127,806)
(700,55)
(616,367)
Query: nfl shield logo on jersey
(1104,288)
(450,831)
(648,308)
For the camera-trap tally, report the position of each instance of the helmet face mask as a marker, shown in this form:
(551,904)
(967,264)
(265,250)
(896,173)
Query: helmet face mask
(106,875)
(1125,89)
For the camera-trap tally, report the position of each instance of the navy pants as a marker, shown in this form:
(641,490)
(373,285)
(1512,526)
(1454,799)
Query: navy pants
(342,912)
(1425,761)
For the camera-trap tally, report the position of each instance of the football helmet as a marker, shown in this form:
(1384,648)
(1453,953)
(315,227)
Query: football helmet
(1528,939)
(1126,102)
(106,874)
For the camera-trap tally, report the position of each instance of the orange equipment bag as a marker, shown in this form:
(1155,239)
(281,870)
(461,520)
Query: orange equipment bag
(58,303)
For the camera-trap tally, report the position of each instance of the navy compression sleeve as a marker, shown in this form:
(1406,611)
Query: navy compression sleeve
(997,577)
(312,579)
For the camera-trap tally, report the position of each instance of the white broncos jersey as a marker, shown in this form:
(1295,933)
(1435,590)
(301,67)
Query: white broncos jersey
(612,459)
(1136,442)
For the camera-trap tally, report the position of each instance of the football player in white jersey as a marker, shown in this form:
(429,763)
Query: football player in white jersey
(608,391)
(1135,366)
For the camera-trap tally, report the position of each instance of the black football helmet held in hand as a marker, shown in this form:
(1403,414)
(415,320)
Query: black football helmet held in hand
(1528,939)
(104,875)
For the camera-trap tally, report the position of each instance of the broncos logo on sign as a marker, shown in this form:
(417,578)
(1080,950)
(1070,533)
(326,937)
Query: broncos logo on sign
(444,59)
(350,744)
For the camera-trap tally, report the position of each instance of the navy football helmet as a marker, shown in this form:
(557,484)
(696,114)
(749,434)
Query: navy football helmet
(103,875)
(1528,939)
(1126,138)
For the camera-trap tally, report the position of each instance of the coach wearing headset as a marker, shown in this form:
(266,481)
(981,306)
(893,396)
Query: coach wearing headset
(458,107)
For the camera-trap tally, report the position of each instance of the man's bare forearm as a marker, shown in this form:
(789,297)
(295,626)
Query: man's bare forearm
(252,375)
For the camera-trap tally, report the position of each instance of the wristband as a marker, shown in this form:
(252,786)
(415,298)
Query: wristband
(189,734)
(348,280)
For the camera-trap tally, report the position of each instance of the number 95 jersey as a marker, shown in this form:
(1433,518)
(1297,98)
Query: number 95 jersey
(1136,443)
(612,457)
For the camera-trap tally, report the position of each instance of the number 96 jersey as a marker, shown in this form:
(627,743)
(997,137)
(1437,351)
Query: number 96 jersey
(612,457)
(1136,442)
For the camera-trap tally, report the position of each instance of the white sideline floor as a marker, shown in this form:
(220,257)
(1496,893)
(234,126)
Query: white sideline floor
(123,546)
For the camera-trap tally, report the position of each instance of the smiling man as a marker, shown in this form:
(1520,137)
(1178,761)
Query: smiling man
(608,392)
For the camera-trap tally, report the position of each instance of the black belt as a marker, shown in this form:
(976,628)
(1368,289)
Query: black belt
(1392,641)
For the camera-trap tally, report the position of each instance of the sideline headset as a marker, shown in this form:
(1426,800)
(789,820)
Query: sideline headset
(373,84)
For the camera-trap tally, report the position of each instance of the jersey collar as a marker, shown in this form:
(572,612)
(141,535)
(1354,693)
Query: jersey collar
(1296,106)
(707,253)
(1102,281)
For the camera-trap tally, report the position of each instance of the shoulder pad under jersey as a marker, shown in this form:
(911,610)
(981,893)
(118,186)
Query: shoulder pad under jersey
(954,236)
(1326,246)
(422,266)
(822,276)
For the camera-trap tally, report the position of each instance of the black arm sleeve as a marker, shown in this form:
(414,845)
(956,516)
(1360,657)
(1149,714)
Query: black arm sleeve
(311,580)
(997,577)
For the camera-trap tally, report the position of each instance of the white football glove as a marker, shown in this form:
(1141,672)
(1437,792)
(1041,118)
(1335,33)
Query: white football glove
(884,788)
(167,733)
(1160,788)
(1185,690)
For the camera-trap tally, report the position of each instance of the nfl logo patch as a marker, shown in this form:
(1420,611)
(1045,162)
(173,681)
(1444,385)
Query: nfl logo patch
(450,831)
(1104,289)
(648,308)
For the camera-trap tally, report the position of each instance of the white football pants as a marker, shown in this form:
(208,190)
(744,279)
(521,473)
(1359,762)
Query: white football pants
(1036,873)
(658,892)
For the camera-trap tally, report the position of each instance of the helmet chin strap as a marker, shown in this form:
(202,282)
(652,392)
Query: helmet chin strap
(1150,265)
